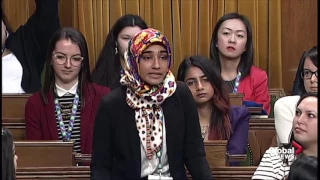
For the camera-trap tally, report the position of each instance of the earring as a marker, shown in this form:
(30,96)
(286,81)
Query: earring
(116,50)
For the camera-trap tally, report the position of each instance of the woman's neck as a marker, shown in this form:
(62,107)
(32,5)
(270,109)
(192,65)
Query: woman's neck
(229,67)
(311,151)
(66,86)
(204,111)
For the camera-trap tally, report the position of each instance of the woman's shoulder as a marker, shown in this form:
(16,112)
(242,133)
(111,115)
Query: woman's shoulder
(99,88)
(256,72)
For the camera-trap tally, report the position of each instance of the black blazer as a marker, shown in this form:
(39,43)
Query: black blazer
(116,142)
(29,42)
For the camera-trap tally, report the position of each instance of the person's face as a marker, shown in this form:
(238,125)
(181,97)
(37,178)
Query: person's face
(3,36)
(66,61)
(310,84)
(124,36)
(199,85)
(232,38)
(305,122)
(15,158)
(153,66)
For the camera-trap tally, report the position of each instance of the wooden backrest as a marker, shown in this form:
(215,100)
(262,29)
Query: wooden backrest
(216,152)
(56,173)
(275,94)
(13,106)
(262,135)
(232,172)
(236,99)
(44,153)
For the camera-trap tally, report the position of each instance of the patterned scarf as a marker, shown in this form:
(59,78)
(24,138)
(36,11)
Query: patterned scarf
(146,100)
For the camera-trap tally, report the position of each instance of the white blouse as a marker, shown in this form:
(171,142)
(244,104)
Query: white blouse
(11,75)
(149,167)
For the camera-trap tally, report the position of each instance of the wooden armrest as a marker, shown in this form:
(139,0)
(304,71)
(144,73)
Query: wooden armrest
(80,158)
(237,157)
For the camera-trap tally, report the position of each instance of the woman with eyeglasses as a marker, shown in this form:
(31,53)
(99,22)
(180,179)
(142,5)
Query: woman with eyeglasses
(284,108)
(24,50)
(66,106)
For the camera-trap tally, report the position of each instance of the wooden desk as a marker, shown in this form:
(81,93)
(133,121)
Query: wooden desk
(13,106)
(216,152)
(262,135)
(44,153)
(54,173)
(236,99)
(83,173)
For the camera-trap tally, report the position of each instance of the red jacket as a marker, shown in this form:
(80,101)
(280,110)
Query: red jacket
(255,88)
(41,122)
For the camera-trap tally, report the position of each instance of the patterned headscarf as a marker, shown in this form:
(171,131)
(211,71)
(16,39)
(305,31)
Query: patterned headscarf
(143,98)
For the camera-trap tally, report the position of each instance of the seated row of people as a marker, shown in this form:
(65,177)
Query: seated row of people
(231,49)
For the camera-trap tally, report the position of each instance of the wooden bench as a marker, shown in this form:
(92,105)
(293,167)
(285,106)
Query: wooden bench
(262,135)
(44,153)
(13,106)
(83,173)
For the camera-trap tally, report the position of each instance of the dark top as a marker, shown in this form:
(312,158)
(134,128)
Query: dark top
(30,42)
(116,143)
(230,85)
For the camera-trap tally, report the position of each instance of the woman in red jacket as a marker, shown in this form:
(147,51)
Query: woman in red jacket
(231,50)
(66,106)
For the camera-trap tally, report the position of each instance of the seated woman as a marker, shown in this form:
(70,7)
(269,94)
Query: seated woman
(107,69)
(304,168)
(218,120)
(66,106)
(149,127)
(24,51)
(284,108)
(231,50)
(9,157)
(276,161)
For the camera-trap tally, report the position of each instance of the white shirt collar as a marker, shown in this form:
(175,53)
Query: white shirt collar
(61,92)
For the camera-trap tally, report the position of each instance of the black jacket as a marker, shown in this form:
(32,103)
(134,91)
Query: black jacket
(116,142)
(29,42)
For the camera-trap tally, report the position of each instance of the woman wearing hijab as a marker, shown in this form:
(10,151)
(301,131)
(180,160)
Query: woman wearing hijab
(149,127)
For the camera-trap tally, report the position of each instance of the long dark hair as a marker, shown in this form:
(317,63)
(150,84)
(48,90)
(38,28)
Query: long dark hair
(246,60)
(313,55)
(305,167)
(220,127)
(84,75)
(8,170)
(107,69)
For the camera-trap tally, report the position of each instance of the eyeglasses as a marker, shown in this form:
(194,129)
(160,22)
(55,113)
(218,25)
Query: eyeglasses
(307,74)
(62,59)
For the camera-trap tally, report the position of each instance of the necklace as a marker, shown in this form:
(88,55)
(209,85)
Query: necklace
(66,134)
(204,130)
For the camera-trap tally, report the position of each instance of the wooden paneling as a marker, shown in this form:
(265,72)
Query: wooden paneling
(262,135)
(44,153)
(299,33)
(18,11)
